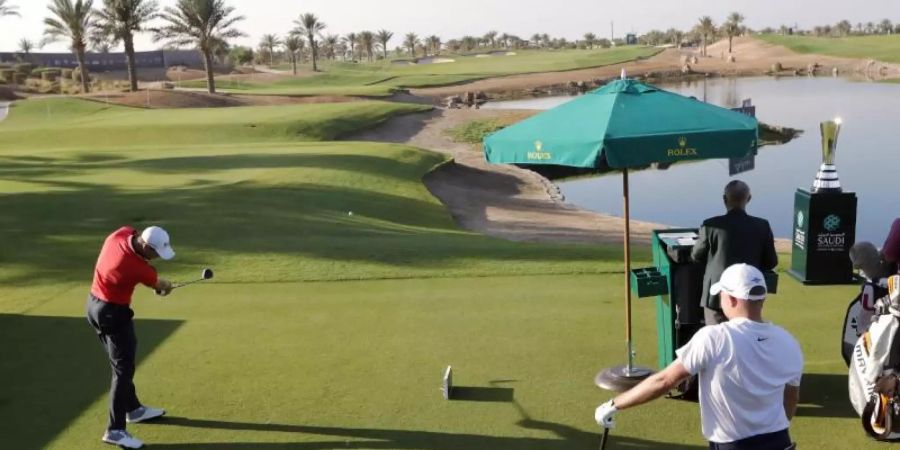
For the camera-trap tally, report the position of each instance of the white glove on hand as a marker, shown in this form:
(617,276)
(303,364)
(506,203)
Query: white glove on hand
(605,415)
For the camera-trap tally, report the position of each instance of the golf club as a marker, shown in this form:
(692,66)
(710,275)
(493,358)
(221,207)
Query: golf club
(205,275)
(603,438)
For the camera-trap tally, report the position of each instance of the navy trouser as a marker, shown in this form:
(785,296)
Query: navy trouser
(779,440)
(115,328)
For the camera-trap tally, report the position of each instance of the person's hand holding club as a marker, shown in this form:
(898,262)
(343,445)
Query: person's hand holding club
(163,287)
(605,415)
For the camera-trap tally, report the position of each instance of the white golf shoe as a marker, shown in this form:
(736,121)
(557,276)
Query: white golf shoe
(143,414)
(122,439)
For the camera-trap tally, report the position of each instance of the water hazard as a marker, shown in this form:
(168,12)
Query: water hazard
(868,157)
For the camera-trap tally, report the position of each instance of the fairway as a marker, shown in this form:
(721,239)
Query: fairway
(883,48)
(323,329)
(383,78)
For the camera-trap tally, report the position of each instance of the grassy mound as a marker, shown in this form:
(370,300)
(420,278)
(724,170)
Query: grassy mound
(382,78)
(883,47)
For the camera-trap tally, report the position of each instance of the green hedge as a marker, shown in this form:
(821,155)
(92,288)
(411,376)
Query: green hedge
(7,75)
(24,68)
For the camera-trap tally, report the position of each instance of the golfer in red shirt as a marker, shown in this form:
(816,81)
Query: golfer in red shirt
(124,262)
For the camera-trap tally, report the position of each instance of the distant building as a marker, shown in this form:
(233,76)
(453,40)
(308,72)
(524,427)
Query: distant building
(102,62)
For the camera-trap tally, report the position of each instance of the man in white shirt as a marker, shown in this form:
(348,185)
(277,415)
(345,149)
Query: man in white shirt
(749,372)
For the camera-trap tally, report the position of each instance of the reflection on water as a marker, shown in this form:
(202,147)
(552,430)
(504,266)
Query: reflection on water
(868,158)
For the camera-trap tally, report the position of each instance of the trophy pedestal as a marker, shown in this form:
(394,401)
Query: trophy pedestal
(824,231)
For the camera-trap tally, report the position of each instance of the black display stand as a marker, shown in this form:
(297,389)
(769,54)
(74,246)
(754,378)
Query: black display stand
(824,231)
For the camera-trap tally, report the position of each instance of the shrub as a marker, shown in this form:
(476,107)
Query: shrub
(20,78)
(7,75)
(76,75)
(49,75)
(24,68)
(66,73)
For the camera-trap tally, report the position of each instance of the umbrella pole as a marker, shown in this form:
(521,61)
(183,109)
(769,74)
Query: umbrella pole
(627,271)
(622,378)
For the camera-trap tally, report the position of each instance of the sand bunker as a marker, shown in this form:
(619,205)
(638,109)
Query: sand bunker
(196,99)
(502,53)
(434,60)
(403,62)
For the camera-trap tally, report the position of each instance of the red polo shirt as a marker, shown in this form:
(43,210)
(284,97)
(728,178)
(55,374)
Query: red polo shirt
(119,269)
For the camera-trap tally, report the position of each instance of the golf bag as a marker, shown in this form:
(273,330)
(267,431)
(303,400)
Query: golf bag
(874,375)
(859,316)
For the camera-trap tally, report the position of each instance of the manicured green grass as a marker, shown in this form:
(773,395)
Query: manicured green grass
(283,350)
(382,78)
(883,47)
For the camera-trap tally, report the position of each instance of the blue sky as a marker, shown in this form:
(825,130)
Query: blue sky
(566,18)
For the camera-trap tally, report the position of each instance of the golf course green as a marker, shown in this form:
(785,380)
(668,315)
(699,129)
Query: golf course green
(323,329)
(384,77)
(881,47)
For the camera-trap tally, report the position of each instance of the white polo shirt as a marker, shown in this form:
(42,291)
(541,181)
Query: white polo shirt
(743,366)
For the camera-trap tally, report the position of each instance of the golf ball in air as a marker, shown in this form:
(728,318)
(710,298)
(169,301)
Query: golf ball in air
(349,213)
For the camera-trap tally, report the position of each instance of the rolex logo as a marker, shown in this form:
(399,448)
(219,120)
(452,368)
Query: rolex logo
(539,154)
(682,150)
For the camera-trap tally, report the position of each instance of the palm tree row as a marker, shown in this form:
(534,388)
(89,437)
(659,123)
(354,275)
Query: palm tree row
(204,24)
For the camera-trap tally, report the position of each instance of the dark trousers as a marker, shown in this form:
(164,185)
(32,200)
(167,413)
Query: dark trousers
(115,329)
(779,440)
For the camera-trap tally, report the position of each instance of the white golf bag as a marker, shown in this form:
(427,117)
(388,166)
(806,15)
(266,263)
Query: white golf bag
(874,375)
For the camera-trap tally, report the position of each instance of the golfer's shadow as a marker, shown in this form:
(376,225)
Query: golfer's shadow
(568,438)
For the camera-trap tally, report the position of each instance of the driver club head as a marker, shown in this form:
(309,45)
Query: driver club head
(207,274)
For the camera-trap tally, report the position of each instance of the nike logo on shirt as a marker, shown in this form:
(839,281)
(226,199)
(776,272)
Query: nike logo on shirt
(760,339)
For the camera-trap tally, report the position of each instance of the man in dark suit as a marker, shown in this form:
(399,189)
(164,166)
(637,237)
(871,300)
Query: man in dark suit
(734,238)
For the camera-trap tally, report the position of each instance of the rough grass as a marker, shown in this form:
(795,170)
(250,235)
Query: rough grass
(265,358)
(883,48)
(382,78)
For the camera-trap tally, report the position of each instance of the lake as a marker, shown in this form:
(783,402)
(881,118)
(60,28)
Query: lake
(868,157)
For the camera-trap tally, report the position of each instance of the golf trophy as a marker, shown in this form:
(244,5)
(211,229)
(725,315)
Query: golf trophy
(824,222)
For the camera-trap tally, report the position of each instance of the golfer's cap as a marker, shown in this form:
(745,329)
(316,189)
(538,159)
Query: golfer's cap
(741,281)
(157,238)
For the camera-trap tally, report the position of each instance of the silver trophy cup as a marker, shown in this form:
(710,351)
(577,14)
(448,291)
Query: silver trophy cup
(827,177)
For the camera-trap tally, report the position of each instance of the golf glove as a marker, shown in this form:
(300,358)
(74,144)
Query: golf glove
(605,415)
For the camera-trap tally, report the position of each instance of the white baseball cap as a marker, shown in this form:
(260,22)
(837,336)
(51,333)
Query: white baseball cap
(158,239)
(741,281)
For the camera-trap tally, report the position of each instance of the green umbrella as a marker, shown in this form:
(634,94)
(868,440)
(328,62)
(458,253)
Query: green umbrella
(625,124)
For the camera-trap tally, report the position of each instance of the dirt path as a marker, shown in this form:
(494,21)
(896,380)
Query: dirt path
(752,57)
(499,200)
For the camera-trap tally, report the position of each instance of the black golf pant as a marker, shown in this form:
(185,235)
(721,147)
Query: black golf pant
(779,440)
(115,328)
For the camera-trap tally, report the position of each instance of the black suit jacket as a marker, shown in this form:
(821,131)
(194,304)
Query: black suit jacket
(734,238)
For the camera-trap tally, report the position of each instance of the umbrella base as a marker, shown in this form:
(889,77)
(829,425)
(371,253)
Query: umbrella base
(619,379)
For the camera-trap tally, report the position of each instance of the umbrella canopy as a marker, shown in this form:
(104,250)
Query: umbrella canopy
(625,124)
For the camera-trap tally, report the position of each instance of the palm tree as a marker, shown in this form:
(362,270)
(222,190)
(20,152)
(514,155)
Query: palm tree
(74,22)
(589,39)
(310,26)
(206,24)
(269,42)
(491,37)
(8,10)
(367,43)
(331,43)
(120,20)
(25,47)
(384,36)
(707,28)
(351,39)
(100,42)
(410,43)
(434,43)
(293,44)
(732,27)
